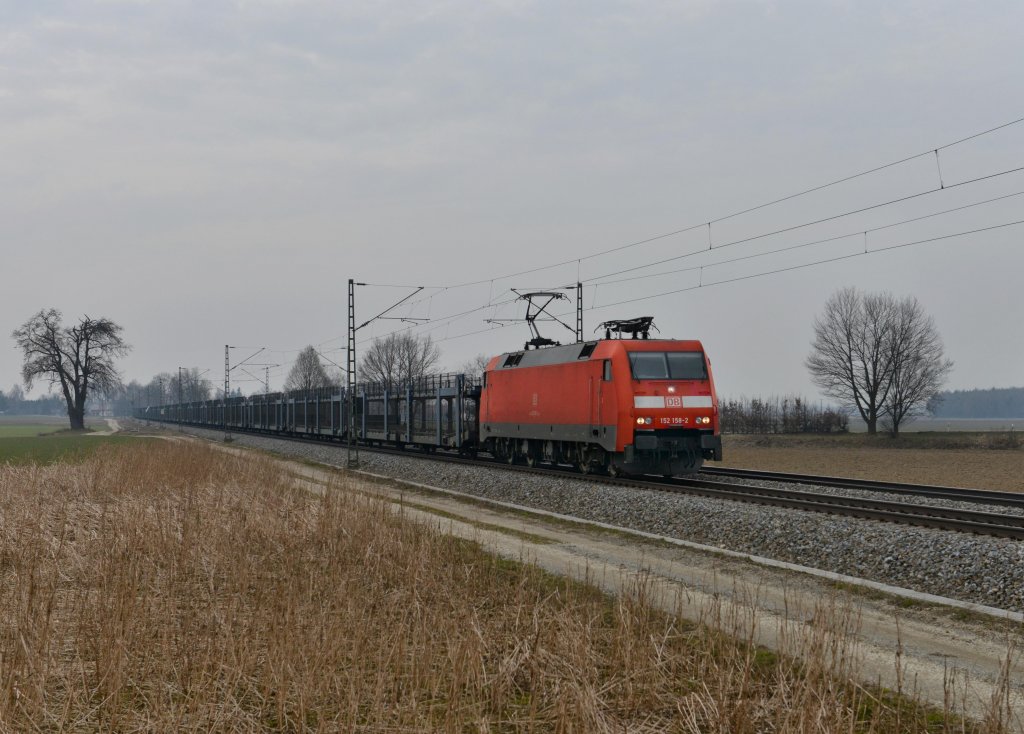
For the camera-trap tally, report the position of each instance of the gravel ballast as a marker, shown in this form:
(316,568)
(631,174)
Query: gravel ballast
(978,569)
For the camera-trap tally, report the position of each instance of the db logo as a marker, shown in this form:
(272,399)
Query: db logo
(673,402)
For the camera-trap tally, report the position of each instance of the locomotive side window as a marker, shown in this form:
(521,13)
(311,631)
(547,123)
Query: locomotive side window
(607,377)
(668,365)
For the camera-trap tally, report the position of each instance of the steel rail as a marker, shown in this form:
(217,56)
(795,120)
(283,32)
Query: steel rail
(978,496)
(930,516)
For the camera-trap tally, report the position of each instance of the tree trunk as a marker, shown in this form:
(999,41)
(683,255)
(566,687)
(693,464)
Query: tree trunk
(872,422)
(76,411)
(77,418)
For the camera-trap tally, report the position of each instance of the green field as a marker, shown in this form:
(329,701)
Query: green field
(37,441)
(21,430)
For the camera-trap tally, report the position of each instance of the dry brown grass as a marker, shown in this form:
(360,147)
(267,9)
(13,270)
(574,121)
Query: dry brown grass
(173,587)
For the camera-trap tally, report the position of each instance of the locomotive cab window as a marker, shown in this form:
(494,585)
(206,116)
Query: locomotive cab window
(687,366)
(668,366)
(607,376)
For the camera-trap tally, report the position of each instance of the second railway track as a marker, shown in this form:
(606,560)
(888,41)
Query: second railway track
(958,494)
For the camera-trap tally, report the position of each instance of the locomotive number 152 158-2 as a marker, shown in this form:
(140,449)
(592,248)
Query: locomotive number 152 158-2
(674,421)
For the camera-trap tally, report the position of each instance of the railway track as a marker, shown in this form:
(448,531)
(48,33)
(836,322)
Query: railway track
(943,518)
(920,515)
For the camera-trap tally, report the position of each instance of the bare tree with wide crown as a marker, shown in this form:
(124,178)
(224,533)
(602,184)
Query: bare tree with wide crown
(879,355)
(79,358)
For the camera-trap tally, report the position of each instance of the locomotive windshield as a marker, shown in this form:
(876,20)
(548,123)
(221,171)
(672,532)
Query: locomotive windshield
(668,366)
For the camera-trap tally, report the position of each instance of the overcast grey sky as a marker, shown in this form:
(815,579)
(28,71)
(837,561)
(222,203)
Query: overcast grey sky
(208,172)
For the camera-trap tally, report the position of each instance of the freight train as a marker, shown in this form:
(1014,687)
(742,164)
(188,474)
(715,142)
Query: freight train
(621,406)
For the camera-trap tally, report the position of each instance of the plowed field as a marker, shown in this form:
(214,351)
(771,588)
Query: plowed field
(979,468)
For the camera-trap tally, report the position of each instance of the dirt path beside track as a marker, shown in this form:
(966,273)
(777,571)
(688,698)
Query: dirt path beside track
(112,427)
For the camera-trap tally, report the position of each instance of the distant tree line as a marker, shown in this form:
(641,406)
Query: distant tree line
(14,402)
(1004,402)
(786,414)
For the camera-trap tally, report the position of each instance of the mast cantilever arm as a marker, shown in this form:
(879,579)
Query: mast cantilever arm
(389,308)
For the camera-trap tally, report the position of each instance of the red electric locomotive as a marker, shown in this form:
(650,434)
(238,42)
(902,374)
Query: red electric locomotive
(623,406)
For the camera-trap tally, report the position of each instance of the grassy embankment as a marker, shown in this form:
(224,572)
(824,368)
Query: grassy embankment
(169,585)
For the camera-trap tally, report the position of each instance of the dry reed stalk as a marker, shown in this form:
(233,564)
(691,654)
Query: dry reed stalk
(173,587)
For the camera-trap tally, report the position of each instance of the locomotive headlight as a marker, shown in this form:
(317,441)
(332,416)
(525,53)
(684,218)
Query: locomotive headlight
(639,421)
(648,421)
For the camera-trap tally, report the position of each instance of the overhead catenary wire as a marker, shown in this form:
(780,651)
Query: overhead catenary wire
(732,215)
(762,274)
(433,323)
(747,210)
(824,240)
(448,319)
(819,262)
(804,225)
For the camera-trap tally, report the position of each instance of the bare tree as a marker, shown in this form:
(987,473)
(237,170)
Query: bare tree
(475,367)
(308,372)
(399,359)
(919,366)
(14,398)
(879,355)
(851,358)
(79,358)
(158,389)
(335,376)
(188,386)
